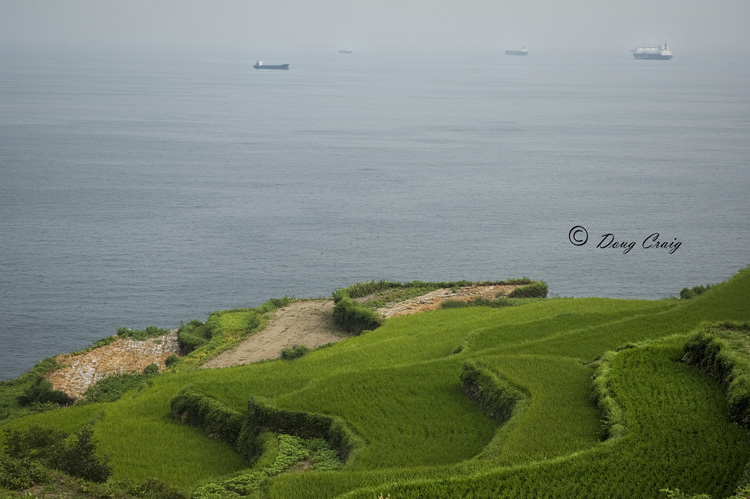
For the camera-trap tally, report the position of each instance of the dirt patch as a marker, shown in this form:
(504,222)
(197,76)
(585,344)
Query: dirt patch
(304,322)
(124,355)
(434,299)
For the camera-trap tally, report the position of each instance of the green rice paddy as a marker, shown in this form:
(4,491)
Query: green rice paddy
(399,389)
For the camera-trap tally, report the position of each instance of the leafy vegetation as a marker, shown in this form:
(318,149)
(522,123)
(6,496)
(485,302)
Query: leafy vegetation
(353,317)
(28,393)
(141,335)
(113,387)
(481,401)
(195,334)
(41,392)
(535,290)
(289,451)
(49,448)
(688,293)
(294,352)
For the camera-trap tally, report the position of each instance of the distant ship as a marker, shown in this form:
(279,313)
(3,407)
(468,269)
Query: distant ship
(260,65)
(660,53)
(523,51)
(347,50)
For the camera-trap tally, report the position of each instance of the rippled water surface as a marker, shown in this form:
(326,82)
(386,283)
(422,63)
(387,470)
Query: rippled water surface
(144,190)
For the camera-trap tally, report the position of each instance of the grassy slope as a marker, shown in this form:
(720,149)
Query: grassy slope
(399,388)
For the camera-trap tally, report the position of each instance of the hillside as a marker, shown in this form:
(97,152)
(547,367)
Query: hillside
(483,401)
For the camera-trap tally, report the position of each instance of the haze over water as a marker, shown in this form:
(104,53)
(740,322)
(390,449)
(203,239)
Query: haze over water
(146,190)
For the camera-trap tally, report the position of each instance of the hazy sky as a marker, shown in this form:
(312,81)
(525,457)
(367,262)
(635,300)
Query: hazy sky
(374,24)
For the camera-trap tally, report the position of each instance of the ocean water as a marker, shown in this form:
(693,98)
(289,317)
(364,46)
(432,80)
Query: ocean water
(141,190)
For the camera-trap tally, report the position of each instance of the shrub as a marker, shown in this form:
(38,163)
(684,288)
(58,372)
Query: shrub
(104,341)
(294,352)
(275,304)
(169,361)
(688,293)
(81,461)
(151,369)
(535,290)
(353,317)
(36,443)
(195,334)
(41,392)
(49,448)
(141,335)
(362,289)
(18,474)
(113,387)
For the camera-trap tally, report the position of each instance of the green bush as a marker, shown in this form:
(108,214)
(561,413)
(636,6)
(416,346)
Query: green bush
(19,474)
(294,352)
(151,369)
(81,461)
(49,448)
(113,387)
(141,335)
(104,341)
(688,293)
(353,317)
(41,392)
(275,304)
(535,290)
(362,289)
(14,391)
(196,334)
(169,361)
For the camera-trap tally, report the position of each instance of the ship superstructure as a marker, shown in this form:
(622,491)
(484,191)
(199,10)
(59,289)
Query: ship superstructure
(660,53)
(523,51)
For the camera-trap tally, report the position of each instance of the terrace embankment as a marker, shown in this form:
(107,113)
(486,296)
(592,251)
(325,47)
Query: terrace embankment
(304,322)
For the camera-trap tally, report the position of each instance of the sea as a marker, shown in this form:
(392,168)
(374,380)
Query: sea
(146,189)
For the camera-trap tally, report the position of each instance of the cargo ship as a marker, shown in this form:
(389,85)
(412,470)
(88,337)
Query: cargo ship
(347,50)
(260,65)
(661,53)
(523,51)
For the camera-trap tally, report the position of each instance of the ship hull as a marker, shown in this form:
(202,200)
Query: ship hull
(516,52)
(271,66)
(657,57)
